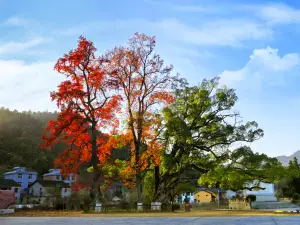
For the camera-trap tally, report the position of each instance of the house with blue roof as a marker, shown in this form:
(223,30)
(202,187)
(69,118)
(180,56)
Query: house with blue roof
(21,176)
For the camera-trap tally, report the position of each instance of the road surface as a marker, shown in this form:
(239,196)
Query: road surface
(150,221)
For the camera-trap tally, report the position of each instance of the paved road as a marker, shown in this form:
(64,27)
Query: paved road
(150,221)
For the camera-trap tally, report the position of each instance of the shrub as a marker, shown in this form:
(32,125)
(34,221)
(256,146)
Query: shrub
(251,198)
(296,196)
(73,202)
(166,207)
(175,207)
(124,204)
(86,199)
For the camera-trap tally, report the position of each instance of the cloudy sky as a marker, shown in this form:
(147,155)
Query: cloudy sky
(252,45)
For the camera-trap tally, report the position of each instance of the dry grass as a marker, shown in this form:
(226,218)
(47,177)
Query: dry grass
(196,213)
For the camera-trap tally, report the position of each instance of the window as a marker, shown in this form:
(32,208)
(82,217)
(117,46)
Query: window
(29,176)
(16,190)
(20,176)
(66,189)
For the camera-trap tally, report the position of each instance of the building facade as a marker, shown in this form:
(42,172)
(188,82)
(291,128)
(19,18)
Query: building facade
(267,194)
(46,190)
(21,176)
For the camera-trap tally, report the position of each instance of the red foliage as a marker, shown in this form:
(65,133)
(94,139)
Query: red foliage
(88,105)
(145,84)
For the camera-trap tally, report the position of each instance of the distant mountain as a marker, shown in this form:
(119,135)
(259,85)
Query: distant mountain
(285,159)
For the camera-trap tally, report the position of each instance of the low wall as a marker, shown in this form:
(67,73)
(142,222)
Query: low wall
(7,198)
(239,205)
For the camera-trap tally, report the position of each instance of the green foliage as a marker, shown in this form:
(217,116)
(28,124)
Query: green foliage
(251,198)
(148,187)
(296,196)
(201,130)
(20,139)
(242,170)
(175,207)
(293,177)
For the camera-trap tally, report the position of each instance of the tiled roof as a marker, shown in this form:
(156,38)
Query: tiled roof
(51,183)
(8,183)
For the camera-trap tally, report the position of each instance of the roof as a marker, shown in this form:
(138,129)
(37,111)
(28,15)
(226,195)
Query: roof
(51,183)
(8,183)
(21,170)
(53,172)
(212,190)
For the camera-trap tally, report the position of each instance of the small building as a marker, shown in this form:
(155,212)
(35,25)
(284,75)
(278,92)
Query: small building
(11,185)
(46,190)
(206,195)
(22,176)
(267,194)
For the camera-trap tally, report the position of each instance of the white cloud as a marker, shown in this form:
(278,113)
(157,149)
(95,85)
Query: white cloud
(15,47)
(16,21)
(219,33)
(279,13)
(224,32)
(263,65)
(27,86)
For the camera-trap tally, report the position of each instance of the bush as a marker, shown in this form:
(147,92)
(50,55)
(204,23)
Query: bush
(296,196)
(73,202)
(251,198)
(166,207)
(124,205)
(175,207)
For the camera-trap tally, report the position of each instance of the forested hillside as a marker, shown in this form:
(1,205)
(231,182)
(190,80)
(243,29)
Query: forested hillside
(20,138)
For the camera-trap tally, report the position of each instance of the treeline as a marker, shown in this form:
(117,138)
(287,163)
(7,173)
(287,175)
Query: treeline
(20,139)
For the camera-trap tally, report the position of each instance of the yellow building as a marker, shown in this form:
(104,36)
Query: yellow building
(205,196)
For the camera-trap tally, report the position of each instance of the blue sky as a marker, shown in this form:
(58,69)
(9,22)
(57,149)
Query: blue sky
(252,45)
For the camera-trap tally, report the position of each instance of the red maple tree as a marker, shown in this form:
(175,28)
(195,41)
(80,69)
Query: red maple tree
(88,107)
(145,84)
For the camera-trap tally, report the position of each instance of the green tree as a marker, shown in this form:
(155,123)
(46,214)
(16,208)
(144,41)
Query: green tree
(202,131)
(20,139)
(293,177)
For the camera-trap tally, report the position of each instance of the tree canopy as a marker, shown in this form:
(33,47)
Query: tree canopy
(205,134)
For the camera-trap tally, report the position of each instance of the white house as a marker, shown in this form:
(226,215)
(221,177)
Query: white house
(42,190)
(264,195)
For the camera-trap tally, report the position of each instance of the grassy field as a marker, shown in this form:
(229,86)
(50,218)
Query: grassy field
(194,213)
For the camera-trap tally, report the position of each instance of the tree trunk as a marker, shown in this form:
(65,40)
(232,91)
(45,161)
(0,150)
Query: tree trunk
(95,192)
(138,173)
(157,180)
